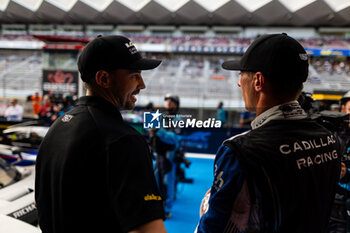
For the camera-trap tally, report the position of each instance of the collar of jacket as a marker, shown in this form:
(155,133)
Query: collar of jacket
(101,104)
(287,111)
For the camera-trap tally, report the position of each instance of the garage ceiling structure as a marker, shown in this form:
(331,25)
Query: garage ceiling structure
(178,12)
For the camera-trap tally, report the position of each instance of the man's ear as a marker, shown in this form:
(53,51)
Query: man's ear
(259,81)
(342,108)
(102,78)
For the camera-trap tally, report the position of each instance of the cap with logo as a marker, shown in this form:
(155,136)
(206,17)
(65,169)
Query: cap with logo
(277,56)
(110,53)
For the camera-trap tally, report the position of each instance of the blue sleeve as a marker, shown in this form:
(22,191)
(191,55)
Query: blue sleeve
(244,115)
(228,181)
(345,185)
(168,137)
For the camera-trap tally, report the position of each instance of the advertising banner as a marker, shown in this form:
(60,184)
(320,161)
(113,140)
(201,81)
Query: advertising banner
(327,52)
(60,82)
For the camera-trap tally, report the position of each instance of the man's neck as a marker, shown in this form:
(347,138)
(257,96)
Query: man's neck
(266,102)
(103,95)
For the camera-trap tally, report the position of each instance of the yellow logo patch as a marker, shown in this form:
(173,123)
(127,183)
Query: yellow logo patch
(128,45)
(152,197)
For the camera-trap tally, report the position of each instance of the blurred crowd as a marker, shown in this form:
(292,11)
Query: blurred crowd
(48,108)
(203,40)
(45,108)
(331,66)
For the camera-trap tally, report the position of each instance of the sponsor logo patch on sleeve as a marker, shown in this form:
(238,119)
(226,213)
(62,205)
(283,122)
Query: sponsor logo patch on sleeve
(152,197)
(67,118)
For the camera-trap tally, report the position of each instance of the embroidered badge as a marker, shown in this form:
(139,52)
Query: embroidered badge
(303,56)
(152,197)
(67,118)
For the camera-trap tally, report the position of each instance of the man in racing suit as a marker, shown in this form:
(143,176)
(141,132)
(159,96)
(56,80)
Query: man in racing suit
(281,175)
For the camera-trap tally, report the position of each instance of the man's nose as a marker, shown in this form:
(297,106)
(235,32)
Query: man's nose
(142,84)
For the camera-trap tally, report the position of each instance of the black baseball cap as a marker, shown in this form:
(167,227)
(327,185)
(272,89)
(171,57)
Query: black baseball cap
(173,98)
(277,56)
(345,98)
(110,53)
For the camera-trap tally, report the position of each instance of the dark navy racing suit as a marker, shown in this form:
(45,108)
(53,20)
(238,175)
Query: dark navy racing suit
(279,177)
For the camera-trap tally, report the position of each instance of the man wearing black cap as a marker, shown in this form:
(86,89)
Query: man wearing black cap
(281,175)
(165,143)
(94,172)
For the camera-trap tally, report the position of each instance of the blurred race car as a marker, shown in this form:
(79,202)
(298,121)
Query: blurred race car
(18,156)
(8,174)
(11,225)
(19,144)
(17,208)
